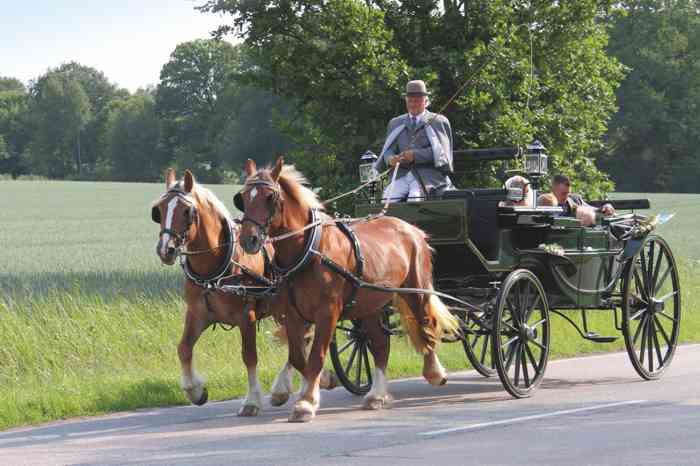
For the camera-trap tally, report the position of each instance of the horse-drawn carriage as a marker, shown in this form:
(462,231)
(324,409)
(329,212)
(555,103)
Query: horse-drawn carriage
(511,268)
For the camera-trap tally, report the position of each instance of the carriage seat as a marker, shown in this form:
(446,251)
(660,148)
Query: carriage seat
(482,221)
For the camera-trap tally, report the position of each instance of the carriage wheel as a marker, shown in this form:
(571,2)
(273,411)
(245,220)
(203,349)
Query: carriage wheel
(651,308)
(521,333)
(351,356)
(477,343)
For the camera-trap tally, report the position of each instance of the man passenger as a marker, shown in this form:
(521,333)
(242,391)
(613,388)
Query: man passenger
(420,142)
(573,204)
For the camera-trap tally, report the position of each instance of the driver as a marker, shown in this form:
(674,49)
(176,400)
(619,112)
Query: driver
(421,143)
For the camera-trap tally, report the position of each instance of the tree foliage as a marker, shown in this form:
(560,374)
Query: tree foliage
(345,61)
(654,142)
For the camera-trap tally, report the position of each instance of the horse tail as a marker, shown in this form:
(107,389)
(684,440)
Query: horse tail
(410,325)
(446,322)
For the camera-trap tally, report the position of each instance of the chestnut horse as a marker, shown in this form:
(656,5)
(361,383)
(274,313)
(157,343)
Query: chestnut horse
(192,218)
(396,254)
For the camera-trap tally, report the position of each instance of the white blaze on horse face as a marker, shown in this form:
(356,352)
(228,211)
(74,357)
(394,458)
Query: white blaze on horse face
(253,193)
(165,239)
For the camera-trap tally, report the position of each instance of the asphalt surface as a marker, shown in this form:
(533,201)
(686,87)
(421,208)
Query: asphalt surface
(592,410)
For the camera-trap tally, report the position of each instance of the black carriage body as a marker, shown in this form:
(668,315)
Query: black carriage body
(477,243)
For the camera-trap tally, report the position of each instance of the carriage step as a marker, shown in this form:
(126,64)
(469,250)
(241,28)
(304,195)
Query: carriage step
(592,336)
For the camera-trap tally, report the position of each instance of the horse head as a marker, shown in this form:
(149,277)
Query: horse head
(176,213)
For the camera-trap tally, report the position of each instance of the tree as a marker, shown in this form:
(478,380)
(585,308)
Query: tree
(133,134)
(657,131)
(99,92)
(14,126)
(60,111)
(11,84)
(346,61)
(189,94)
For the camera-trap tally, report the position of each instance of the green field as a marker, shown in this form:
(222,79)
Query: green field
(89,319)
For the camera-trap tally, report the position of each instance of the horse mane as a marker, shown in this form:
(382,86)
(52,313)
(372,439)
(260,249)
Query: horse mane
(293,182)
(206,197)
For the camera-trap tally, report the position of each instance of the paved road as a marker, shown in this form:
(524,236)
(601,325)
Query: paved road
(592,410)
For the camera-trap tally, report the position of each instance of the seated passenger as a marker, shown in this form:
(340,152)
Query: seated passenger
(523,185)
(573,204)
(420,142)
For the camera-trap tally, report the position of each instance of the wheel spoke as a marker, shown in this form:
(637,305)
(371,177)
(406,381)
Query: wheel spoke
(667,316)
(483,350)
(531,357)
(639,284)
(345,346)
(644,341)
(510,342)
(537,324)
(657,346)
(351,359)
(665,297)
(650,269)
(513,311)
(645,272)
(358,373)
(510,327)
(663,331)
(368,369)
(345,329)
(657,267)
(639,328)
(532,308)
(525,303)
(663,278)
(539,345)
(517,365)
(509,357)
(526,376)
(650,354)
(476,341)
(638,313)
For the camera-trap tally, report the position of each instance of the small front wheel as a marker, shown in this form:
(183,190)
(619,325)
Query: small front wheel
(520,334)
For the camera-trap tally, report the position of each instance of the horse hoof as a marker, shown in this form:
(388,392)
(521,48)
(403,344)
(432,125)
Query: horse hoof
(248,411)
(202,399)
(332,381)
(437,380)
(278,399)
(376,403)
(302,412)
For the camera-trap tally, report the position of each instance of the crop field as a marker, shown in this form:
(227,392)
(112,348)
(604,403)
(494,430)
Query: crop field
(90,319)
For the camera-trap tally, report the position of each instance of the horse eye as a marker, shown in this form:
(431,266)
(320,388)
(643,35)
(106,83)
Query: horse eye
(186,213)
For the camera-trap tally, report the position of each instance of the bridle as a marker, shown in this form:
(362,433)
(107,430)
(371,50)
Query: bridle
(181,238)
(274,200)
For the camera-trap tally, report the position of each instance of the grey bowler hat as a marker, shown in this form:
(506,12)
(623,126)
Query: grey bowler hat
(416,87)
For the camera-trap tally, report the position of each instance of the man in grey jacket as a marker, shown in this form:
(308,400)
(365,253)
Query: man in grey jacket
(421,143)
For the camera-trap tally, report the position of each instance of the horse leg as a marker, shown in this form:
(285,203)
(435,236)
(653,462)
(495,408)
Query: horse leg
(328,379)
(305,408)
(252,404)
(191,382)
(282,386)
(378,397)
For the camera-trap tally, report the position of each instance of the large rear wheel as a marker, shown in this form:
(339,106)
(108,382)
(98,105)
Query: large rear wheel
(651,308)
(521,333)
(477,342)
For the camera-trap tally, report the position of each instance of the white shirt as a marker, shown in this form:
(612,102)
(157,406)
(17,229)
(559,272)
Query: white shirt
(415,119)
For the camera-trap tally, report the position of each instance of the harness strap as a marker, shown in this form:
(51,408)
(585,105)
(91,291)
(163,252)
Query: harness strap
(208,281)
(312,243)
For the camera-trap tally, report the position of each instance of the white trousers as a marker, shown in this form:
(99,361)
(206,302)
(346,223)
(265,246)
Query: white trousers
(406,186)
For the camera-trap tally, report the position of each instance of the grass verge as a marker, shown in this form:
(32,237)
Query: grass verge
(73,354)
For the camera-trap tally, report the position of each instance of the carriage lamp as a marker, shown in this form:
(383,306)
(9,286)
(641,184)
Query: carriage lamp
(368,174)
(535,160)
(367,171)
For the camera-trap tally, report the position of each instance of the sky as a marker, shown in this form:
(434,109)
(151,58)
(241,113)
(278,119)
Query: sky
(128,40)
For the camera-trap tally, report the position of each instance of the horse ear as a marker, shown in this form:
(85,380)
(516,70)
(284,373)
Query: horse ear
(250,167)
(170,178)
(189,181)
(278,168)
